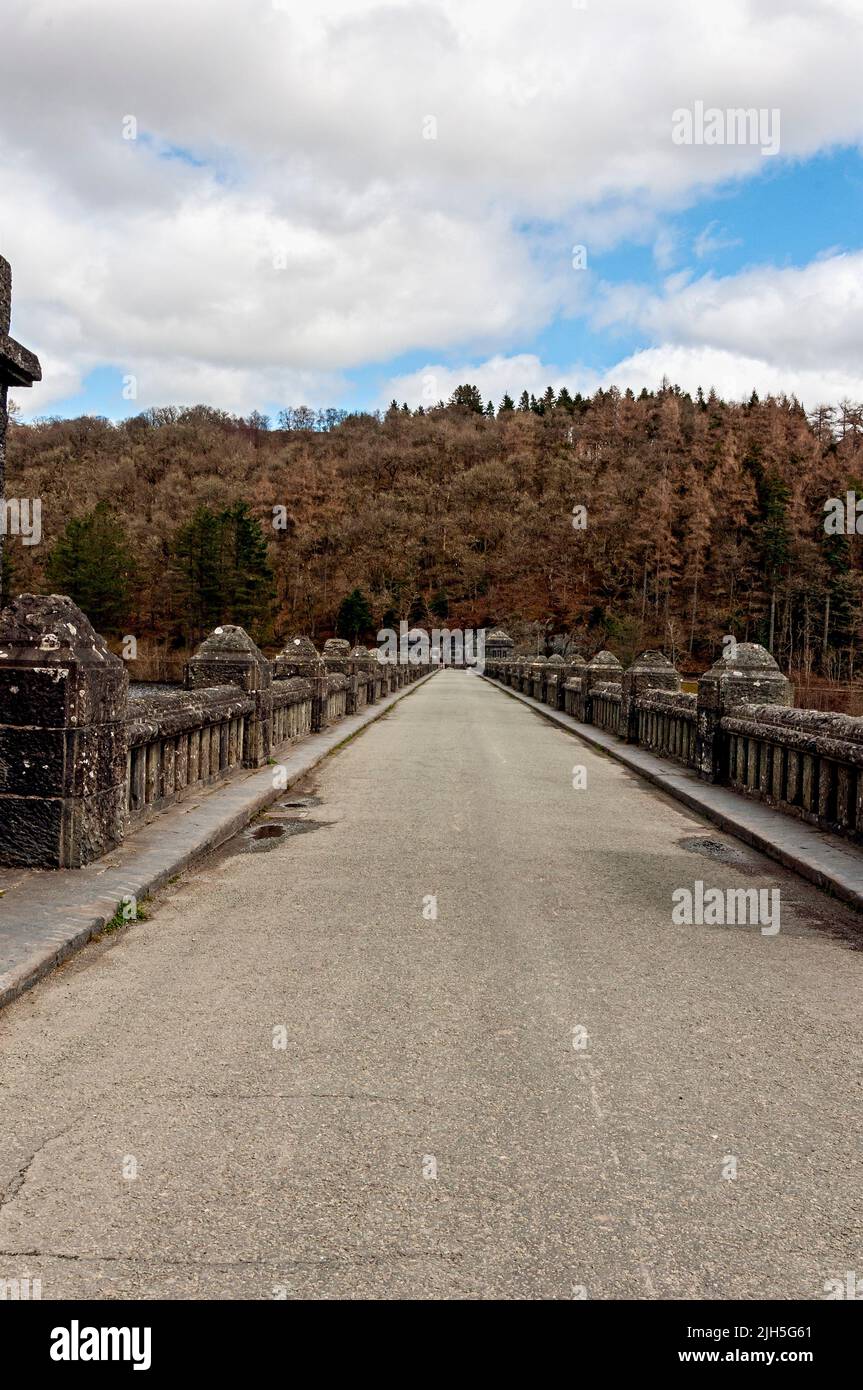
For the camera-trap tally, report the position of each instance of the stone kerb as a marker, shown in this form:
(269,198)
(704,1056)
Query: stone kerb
(230,657)
(63,736)
(746,674)
(650,671)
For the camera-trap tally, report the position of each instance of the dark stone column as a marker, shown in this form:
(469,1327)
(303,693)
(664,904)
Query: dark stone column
(229,657)
(63,742)
(603,668)
(536,678)
(745,675)
(336,657)
(300,657)
(649,671)
(555,675)
(364,669)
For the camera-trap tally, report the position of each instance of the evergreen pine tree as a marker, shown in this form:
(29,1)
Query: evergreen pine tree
(91,563)
(354,617)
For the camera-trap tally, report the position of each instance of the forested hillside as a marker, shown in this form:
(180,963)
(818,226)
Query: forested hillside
(703,518)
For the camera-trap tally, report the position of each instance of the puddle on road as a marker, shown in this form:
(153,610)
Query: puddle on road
(714,849)
(274,831)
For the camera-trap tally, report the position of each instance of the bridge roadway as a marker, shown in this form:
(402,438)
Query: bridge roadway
(416,1046)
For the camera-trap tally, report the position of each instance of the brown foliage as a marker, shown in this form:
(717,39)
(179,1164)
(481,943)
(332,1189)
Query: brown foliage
(678,549)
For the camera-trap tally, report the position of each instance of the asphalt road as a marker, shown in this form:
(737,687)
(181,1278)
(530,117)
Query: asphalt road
(541,1093)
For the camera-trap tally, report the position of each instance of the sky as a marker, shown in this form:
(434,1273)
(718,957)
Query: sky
(256,204)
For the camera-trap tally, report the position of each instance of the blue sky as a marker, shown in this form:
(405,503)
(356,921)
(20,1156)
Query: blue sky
(296,237)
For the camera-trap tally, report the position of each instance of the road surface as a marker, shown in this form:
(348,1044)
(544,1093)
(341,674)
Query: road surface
(295,1081)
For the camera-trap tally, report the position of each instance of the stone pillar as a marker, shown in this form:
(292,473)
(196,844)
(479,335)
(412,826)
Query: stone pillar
(536,678)
(336,658)
(229,657)
(573,665)
(555,675)
(499,645)
(745,674)
(603,668)
(63,740)
(364,668)
(300,657)
(649,671)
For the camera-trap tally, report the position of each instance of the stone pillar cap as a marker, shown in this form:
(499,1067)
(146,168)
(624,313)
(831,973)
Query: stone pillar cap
(299,649)
(651,660)
(229,639)
(53,629)
(743,658)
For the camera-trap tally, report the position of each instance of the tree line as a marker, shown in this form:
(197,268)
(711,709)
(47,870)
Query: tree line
(660,519)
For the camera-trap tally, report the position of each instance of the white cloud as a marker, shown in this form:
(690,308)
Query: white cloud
(268,128)
(732,375)
(711,239)
(808,318)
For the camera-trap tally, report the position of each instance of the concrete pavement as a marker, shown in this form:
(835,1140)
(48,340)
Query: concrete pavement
(290,1082)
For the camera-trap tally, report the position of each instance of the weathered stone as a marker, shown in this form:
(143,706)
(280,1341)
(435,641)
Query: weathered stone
(498,645)
(229,656)
(63,736)
(746,674)
(649,671)
(604,668)
(300,657)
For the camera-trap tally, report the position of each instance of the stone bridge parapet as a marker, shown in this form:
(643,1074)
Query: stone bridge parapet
(85,758)
(740,730)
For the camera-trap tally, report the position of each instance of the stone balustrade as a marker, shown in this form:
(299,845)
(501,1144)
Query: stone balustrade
(740,730)
(667,724)
(804,761)
(180,741)
(85,758)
